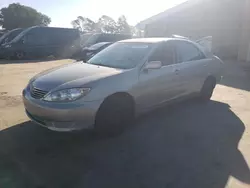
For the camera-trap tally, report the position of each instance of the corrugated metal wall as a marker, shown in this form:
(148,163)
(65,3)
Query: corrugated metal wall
(221,19)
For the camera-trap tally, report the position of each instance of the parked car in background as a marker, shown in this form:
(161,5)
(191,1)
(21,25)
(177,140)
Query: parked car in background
(126,79)
(105,37)
(9,36)
(86,53)
(39,42)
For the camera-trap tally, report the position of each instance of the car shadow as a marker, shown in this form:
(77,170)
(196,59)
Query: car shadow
(185,145)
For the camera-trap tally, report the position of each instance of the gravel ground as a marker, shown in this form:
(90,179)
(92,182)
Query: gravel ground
(184,145)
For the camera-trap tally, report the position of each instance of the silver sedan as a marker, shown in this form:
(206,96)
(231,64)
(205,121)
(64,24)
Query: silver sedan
(126,79)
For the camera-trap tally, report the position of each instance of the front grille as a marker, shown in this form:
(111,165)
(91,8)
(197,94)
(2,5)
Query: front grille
(37,93)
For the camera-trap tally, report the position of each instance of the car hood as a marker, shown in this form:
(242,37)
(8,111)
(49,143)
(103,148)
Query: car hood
(72,75)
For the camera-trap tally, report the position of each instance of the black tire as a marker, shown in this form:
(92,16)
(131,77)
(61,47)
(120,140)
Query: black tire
(20,55)
(114,115)
(207,89)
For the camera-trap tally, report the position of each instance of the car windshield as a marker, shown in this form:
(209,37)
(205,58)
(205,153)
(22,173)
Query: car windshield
(8,37)
(3,37)
(18,37)
(122,55)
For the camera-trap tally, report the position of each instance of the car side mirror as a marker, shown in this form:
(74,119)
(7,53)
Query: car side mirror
(153,65)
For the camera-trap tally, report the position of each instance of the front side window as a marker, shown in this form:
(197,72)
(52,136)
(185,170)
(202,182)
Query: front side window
(187,52)
(122,55)
(164,53)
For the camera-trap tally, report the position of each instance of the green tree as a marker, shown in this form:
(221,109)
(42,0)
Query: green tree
(106,24)
(134,31)
(84,24)
(122,25)
(20,16)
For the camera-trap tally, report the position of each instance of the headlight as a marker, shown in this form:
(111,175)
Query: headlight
(66,95)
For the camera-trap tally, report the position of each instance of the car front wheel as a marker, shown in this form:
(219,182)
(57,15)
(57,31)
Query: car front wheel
(113,116)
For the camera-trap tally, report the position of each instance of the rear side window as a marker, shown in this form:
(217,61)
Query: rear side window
(186,51)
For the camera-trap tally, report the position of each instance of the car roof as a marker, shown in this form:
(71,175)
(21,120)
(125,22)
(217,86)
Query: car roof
(153,40)
(103,43)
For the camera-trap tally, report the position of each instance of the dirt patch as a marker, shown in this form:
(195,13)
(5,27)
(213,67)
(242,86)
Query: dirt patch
(10,101)
(14,77)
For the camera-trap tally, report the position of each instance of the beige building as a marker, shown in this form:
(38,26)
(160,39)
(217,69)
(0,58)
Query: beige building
(227,21)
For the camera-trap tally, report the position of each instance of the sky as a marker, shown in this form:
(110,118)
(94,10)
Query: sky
(62,12)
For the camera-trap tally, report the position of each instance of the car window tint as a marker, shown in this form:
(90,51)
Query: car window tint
(165,54)
(188,52)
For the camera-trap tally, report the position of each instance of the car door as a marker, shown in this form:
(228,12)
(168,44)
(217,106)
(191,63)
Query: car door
(191,68)
(35,45)
(58,44)
(157,86)
(53,45)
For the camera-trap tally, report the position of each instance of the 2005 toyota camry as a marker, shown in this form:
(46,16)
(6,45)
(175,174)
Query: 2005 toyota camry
(126,79)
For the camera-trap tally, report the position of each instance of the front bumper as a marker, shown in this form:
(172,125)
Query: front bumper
(71,116)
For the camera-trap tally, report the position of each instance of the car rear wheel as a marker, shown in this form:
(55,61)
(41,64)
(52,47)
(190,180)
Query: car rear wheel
(208,88)
(113,116)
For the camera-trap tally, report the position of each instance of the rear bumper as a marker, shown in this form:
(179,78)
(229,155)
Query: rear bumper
(61,116)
